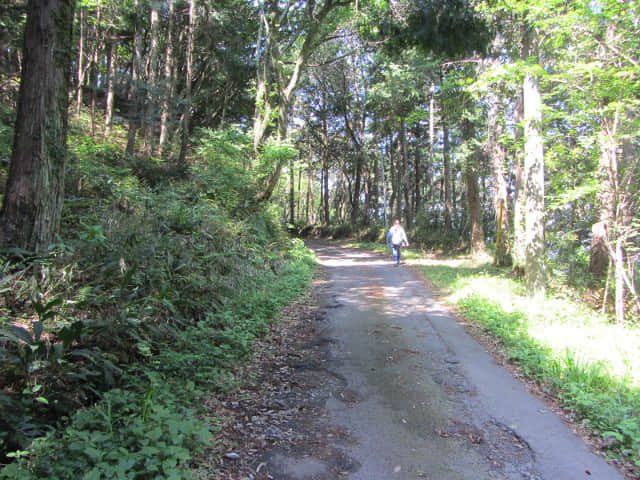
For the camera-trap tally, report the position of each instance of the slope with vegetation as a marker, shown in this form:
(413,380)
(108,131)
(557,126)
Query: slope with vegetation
(162,283)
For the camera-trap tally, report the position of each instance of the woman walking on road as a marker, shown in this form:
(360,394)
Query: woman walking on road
(396,239)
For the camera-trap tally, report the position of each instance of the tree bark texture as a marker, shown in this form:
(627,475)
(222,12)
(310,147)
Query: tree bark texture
(406,180)
(80,70)
(93,67)
(519,208)
(534,188)
(527,48)
(599,254)
(152,76)
(168,81)
(292,192)
(606,198)
(475,211)
(308,206)
(32,206)
(355,128)
(324,191)
(186,116)
(108,117)
(498,162)
(477,243)
(134,101)
(620,290)
(275,85)
(446,180)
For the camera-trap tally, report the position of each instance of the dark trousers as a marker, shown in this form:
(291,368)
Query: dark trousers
(396,250)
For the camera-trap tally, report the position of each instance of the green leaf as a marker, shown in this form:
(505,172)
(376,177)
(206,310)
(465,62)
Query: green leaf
(95,454)
(20,333)
(93,474)
(70,333)
(37,330)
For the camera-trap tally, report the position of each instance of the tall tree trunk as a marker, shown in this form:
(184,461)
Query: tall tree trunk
(519,208)
(108,119)
(478,247)
(93,70)
(617,201)
(325,191)
(308,205)
(477,244)
(168,81)
(500,194)
(619,272)
(186,116)
(360,184)
(432,143)
(606,198)
(152,76)
(93,82)
(417,178)
(527,48)
(275,85)
(80,70)
(446,179)
(32,205)
(134,103)
(299,197)
(292,192)
(405,179)
(395,200)
(534,168)
(355,130)
(383,180)
(598,255)
(324,164)
(262,108)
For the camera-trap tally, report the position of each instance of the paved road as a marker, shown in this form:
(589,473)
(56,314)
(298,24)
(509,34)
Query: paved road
(417,397)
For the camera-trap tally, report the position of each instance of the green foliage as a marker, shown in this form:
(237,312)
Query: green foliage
(275,152)
(429,236)
(160,276)
(125,435)
(445,27)
(569,263)
(509,328)
(100,169)
(222,172)
(207,352)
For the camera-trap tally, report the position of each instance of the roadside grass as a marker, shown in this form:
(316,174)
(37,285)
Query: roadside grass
(575,354)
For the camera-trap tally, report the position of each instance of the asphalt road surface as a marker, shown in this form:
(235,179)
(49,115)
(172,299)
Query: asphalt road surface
(416,397)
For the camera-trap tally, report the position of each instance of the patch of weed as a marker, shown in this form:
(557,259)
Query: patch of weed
(586,387)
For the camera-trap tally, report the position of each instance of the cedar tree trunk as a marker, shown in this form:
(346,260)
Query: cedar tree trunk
(32,206)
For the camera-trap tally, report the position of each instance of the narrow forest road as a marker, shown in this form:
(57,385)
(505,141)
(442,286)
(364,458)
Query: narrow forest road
(403,392)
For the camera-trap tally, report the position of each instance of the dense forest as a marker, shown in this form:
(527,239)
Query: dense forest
(156,159)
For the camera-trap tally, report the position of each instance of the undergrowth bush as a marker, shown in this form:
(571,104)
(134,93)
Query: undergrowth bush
(125,435)
(428,233)
(156,294)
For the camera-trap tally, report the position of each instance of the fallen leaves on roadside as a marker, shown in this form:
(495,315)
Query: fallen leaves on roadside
(263,413)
